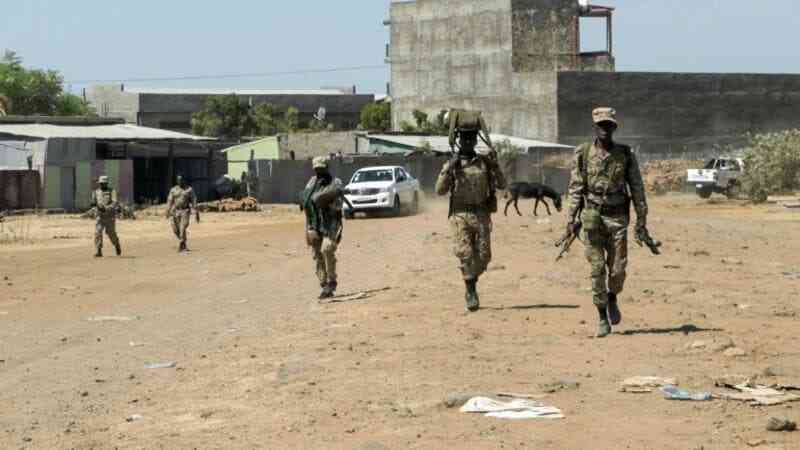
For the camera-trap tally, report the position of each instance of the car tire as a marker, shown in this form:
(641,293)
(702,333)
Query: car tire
(397,208)
(733,191)
(704,192)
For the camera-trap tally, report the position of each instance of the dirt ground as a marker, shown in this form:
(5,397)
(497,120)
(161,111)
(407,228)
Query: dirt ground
(261,364)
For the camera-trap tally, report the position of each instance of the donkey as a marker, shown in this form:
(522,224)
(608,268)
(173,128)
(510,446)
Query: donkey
(532,190)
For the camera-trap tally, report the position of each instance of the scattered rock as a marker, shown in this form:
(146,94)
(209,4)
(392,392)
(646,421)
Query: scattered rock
(721,345)
(672,266)
(698,344)
(756,442)
(734,352)
(497,268)
(700,253)
(732,261)
(134,418)
(566,384)
(775,424)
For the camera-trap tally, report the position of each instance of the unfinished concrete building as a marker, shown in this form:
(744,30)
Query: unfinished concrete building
(520,62)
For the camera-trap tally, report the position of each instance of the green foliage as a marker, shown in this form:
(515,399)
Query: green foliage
(507,154)
(224,117)
(423,125)
(771,164)
(36,92)
(377,117)
(291,120)
(266,118)
(407,127)
(420,118)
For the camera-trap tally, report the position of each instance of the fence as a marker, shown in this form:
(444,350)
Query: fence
(19,189)
(281,181)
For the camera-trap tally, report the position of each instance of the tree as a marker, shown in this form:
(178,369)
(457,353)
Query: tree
(34,91)
(224,117)
(5,105)
(377,117)
(421,119)
(771,164)
(266,119)
(291,120)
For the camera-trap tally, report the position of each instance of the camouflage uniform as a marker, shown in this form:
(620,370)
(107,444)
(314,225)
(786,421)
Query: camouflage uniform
(604,183)
(323,209)
(180,203)
(471,221)
(105,203)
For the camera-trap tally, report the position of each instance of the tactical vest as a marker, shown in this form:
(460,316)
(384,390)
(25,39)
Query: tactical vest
(606,178)
(471,186)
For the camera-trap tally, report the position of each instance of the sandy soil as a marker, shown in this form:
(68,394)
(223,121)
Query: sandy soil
(261,364)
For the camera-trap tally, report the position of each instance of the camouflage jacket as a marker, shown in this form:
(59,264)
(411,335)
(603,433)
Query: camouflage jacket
(105,202)
(180,199)
(606,179)
(470,184)
(323,207)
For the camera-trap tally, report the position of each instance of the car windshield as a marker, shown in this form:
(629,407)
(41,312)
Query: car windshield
(366,176)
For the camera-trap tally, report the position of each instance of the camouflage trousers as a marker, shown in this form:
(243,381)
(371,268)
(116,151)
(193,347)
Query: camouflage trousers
(109,225)
(180,224)
(472,242)
(324,250)
(607,253)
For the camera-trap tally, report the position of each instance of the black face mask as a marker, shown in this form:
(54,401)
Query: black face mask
(322,174)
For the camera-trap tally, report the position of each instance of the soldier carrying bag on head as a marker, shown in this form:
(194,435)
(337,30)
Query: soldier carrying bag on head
(471,180)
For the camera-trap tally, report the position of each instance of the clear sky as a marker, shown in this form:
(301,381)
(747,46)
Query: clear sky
(112,39)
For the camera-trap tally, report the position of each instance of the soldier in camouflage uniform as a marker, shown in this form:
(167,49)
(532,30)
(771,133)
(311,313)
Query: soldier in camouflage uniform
(322,201)
(180,203)
(471,179)
(605,179)
(104,200)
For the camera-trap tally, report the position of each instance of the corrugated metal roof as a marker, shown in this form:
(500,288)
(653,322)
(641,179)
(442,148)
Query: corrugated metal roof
(442,143)
(240,92)
(103,132)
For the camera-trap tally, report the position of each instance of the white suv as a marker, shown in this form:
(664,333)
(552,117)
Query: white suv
(383,188)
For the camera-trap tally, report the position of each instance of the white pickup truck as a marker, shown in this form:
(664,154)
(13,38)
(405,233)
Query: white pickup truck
(720,175)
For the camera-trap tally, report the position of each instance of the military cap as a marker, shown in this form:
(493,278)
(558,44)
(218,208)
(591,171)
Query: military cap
(604,115)
(320,162)
(102,179)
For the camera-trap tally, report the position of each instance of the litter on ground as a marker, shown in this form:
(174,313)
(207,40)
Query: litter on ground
(675,393)
(515,409)
(759,395)
(643,384)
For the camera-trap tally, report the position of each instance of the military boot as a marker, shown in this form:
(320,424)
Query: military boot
(326,292)
(471,296)
(118,248)
(332,286)
(603,327)
(98,253)
(614,314)
(182,247)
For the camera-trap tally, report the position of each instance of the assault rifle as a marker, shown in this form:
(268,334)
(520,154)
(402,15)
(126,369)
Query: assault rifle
(643,238)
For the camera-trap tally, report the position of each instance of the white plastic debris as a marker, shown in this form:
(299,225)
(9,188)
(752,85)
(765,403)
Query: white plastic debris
(516,409)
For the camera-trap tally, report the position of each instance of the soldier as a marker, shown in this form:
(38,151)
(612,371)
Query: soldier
(322,202)
(605,179)
(180,202)
(471,181)
(104,200)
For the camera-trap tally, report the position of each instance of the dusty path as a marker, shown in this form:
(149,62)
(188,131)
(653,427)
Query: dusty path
(260,364)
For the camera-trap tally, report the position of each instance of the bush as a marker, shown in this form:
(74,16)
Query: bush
(771,164)
(377,117)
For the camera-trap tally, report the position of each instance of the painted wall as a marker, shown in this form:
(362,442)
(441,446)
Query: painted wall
(119,172)
(239,155)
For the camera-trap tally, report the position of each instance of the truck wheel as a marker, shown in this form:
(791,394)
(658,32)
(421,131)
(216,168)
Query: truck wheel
(397,209)
(733,191)
(704,192)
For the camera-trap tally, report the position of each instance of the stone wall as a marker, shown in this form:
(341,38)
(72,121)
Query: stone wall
(679,114)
